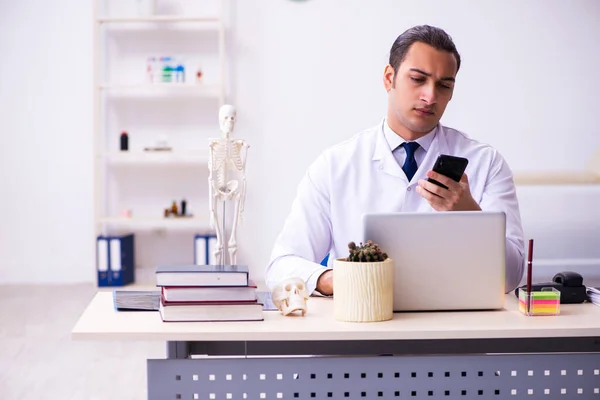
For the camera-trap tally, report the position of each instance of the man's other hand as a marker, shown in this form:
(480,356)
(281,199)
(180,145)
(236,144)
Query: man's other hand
(325,283)
(456,198)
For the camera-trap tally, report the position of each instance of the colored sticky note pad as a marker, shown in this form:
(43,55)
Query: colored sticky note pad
(544,302)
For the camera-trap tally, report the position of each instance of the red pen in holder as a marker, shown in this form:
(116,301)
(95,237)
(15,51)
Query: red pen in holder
(541,302)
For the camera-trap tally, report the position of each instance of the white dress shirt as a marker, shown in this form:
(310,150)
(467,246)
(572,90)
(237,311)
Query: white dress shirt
(395,143)
(362,175)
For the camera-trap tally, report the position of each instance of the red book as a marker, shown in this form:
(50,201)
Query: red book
(213,312)
(174,294)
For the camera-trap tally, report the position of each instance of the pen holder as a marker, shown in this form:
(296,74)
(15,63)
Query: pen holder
(542,302)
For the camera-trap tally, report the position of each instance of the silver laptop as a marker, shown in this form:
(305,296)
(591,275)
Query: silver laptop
(443,260)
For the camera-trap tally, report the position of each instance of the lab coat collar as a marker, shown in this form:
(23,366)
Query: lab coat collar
(395,141)
(389,165)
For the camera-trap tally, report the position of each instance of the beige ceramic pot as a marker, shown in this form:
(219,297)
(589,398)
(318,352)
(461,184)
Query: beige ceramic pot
(363,292)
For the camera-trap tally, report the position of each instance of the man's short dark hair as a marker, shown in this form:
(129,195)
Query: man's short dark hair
(434,37)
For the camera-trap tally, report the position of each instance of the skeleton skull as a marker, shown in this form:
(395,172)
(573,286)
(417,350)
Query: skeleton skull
(227,119)
(290,295)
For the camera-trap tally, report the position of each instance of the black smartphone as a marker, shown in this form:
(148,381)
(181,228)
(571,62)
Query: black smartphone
(450,166)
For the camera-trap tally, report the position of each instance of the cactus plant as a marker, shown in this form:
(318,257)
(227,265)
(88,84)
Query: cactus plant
(368,252)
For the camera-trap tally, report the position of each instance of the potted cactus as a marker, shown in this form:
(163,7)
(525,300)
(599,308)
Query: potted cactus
(363,284)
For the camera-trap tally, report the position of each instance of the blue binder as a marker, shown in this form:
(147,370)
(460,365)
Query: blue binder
(200,249)
(102,261)
(115,260)
(203,249)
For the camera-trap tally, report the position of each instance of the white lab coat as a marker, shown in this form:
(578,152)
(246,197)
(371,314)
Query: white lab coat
(361,175)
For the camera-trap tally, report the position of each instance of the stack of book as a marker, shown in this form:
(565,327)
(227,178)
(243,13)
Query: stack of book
(593,294)
(207,293)
(136,300)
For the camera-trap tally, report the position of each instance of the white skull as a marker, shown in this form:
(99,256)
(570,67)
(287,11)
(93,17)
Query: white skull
(290,295)
(227,119)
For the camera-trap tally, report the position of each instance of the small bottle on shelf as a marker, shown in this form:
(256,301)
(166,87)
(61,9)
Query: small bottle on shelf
(183,206)
(124,141)
(180,73)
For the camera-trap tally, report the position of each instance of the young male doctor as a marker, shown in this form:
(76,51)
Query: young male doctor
(385,169)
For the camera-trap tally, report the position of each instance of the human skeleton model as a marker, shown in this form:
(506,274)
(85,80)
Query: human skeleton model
(227,181)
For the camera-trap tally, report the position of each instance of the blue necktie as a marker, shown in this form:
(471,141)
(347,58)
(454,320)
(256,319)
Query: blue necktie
(410,164)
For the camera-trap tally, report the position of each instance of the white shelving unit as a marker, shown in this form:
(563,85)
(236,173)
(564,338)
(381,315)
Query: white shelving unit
(161,18)
(124,97)
(167,157)
(588,176)
(168,89)
(144,222)
(556,178)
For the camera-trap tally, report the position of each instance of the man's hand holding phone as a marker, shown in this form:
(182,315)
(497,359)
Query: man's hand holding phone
(457,196)
(447,186)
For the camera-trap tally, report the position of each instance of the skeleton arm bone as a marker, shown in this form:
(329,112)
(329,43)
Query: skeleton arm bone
(244,156)
(242,197)
(211,187)
(240,156)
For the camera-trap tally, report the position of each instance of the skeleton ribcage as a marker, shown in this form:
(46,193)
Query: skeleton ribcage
(227,162)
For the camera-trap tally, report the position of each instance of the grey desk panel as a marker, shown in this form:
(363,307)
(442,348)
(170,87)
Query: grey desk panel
(548,376)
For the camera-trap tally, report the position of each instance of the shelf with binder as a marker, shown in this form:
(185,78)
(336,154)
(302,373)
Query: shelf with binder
(160,77)
(151,222)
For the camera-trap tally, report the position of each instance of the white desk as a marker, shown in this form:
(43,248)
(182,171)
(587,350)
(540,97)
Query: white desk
(445,354)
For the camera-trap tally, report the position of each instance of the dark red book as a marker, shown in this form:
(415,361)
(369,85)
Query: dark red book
(203,311)
(174,294)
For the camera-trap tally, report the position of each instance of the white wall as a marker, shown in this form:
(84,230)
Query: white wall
(45,153)
(306,74)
